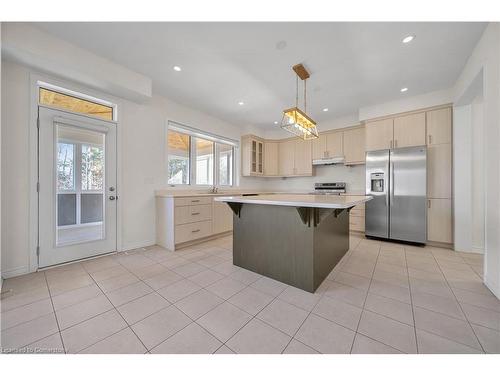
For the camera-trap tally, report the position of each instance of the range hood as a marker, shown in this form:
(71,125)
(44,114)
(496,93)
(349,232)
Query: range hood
(329,161)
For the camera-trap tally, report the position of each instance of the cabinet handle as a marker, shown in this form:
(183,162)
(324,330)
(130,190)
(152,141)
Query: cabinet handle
(195,231)
(195,213)
(429,203)
(390,144)
(395,143)
(196,200)
(430,139)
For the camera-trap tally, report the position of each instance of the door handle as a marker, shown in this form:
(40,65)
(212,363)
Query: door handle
(430,138)
(112,198)
(428,203)
(392,183)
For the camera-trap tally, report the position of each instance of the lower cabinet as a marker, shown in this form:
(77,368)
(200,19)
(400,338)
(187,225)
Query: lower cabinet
(222,218)
(357,218)
(181,220)
(439,220)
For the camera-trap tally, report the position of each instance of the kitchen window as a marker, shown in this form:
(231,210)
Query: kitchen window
(199,158)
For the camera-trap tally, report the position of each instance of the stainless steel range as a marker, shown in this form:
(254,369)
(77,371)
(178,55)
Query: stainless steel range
(335,188)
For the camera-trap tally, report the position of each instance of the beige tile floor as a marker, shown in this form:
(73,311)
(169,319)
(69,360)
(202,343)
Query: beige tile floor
(381,298)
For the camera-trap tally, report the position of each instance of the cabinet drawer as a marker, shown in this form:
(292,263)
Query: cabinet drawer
(357,223)
(190,201)
(192,231)
(192,214)
(359,212)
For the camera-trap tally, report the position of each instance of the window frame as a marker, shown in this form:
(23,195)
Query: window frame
(193,133)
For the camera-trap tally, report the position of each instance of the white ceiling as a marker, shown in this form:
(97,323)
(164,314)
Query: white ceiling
(352,65)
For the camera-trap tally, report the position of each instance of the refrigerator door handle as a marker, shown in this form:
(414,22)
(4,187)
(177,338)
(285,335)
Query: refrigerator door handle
(391,192)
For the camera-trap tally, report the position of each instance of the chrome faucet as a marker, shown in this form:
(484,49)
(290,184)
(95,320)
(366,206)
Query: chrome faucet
(214,189)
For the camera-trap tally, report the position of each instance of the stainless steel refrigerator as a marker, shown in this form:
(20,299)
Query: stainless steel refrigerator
(397,180)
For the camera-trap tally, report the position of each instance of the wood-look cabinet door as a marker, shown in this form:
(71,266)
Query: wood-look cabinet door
(334,144)
(222,218)
(303,157)
(286,158)
(271,158)
(319,147)
(260,157)
(409,130)
(439,126)
(439,171)
(439,220)
(379,134)
(354,146)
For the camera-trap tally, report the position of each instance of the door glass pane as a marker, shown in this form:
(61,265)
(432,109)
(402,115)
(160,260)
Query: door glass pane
(66,213)
(204,153)
(65,166)
(91,208)
(80,185)
(225,153)
(178,158)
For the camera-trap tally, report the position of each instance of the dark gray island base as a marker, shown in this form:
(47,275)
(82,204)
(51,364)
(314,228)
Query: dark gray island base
(298,246)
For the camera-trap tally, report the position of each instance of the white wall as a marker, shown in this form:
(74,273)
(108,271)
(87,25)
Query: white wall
(142,141)
(478,175)
(486,59)
(462,164)
(406,103)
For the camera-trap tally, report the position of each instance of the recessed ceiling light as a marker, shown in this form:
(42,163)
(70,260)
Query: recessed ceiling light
(408,39)
(404,89)
(241,103)
(276,123)
(177,68)
(325,109)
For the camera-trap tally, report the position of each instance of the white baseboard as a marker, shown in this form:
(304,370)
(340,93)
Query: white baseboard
(137,244)
(493,287)
(18,271)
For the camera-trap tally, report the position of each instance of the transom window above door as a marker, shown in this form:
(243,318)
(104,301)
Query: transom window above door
(74,102)
(198,158)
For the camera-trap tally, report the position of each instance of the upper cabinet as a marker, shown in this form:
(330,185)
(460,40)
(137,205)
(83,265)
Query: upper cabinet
(397,132)
(271,158)
(439,126)
(379,134)
(409,130)
(302,158)
(354,146)
(252,156)
(286,157)
(328,145)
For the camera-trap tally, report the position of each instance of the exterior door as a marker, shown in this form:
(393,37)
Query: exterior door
(77,187)
(408,198)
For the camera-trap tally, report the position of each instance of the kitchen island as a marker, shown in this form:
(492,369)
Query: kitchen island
(295,239)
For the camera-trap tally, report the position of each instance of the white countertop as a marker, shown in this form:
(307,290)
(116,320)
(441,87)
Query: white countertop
(300,200)
(203,193)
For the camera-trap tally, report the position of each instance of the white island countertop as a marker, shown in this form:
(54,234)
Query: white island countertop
(300,200)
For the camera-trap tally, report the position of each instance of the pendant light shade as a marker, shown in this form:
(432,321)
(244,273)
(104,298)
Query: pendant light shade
(295,120)
(299,123)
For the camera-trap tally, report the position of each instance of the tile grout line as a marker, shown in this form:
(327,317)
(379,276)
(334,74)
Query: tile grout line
(458,302)
(54,311)
(114,307)
(364,302)
(411,300)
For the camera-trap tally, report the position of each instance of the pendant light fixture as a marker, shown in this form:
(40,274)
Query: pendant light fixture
(294,120)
